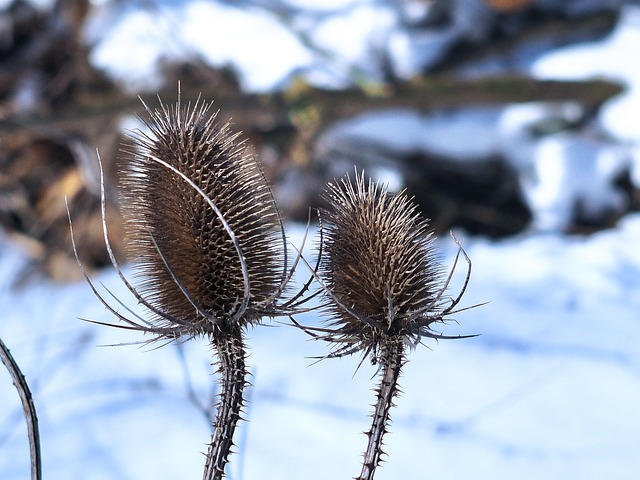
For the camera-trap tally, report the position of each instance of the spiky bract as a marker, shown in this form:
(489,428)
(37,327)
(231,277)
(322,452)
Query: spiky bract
(379,267)
(201,223)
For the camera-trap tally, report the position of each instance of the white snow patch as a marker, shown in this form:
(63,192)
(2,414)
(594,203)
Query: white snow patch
(611,58)
(547,391)
(263,51)
(574,173)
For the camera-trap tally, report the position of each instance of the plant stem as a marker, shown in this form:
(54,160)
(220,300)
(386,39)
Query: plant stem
(232,368)
(392,360)
(29,409)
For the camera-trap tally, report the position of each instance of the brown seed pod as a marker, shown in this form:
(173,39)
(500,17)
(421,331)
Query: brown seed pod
(201,223)
(384,287)
(379,269)
(208,244)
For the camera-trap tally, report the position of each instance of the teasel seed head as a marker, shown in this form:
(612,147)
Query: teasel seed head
(208,246)
(384,287)
(379,268)
(201,223)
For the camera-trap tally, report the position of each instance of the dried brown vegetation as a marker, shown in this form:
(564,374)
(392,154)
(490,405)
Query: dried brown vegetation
(384,287)
(207,243)
(201,224)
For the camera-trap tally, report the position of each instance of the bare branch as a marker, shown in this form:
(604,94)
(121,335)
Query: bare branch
(29,409)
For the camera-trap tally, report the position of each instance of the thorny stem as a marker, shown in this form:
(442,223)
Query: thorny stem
(392,361)
(28,407)
(232,368)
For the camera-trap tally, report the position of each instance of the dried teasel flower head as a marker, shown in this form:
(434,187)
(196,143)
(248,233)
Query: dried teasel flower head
(201,225)
(384,287)
(201,222)
(379,269)
(208,244)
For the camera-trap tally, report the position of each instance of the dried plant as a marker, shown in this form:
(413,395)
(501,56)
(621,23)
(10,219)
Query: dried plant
(28,407)
(384,288)
(208,243)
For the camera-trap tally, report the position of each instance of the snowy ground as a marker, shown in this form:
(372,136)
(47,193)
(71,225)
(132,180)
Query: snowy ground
(549,390)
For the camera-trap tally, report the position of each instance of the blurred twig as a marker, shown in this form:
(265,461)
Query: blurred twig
(29,409)
(188,383)
(425,93)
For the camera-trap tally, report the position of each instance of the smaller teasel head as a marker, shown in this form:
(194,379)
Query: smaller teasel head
(383,285)
(383,280)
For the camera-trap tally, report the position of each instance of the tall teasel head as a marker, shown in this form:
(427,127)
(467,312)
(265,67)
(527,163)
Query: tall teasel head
(201,222)
(208,244)
(384,285)
(202,227)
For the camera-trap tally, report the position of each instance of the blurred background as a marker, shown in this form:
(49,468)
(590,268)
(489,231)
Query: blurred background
(458,101)
(512,122)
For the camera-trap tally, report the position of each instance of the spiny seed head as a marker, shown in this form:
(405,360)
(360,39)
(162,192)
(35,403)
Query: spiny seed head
(379,268)
(200,221)
(383,285)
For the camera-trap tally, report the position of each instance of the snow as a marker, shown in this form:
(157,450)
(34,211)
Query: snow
(558,172)
(413,51)
(464,134)
(221,35)
(549,389)
(575,171)
(137,42)
(611,58)
(367,28)
(235,36)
